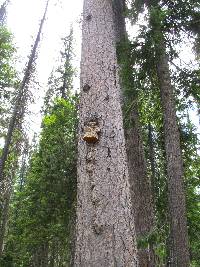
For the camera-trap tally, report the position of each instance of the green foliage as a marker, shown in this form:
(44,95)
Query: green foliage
(44,211)
(61,78)
(7,77)
(168,20)
(42,214)
(7,73)
(191,157)
(7,93)
(155,240)
(140,90)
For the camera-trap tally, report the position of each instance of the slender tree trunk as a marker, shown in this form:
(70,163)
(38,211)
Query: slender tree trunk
(6,196)
(18,114)
(4,220)
(65,89)
(53,254)
(72,239)
(105,228)
(19,108)
(119,8)
(44,255)
(152,160)
(40,256)
(176,196)
(140,188)
(140,183)
(3,12)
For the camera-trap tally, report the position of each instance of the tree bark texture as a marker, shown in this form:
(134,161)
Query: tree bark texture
(40,257)
(176,195)
(3,12)
(141,193)
(4,220)
(119,8)
(6,196)
(105,228)
(152,158)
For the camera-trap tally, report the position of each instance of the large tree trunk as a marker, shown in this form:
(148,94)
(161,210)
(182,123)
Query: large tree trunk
(176,196)
(105,228)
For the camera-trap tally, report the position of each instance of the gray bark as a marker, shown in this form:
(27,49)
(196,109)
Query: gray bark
(3,12)
(176,195)
(140,188)
(140,183)
(4,220)
(6,196)
(40,257)
(65,89)
(119,7)
(152,161)
(105,228)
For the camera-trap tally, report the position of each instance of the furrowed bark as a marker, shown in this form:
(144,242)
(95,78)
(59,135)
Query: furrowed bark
(7,189)
(141,195)
(4,221)
(176,196)
(140,188)
(105,228)
(152,160)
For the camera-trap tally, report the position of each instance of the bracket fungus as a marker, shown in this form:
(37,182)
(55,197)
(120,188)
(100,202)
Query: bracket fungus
(91,132)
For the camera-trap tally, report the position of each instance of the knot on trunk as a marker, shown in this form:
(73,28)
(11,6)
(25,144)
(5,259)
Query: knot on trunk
(88,17)
(86,88)
(98,228)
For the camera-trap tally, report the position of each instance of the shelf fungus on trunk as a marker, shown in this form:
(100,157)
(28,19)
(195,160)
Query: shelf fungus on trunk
(91,132)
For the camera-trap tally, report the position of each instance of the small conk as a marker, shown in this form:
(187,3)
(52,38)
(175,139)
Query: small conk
(91,132)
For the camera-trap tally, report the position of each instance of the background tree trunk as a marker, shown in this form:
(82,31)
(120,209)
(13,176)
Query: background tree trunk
(105,229)
(3,12)
(4,220)
(176,195)
(21,99)
(141,192)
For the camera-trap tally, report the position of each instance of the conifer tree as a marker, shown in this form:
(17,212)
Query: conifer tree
(46,187)
(3,12)
(21,99)
(14,136)
(161,24)
(105,230)
(141,194)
